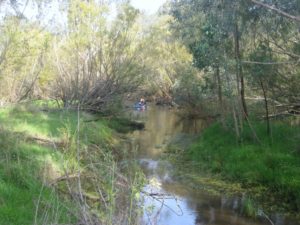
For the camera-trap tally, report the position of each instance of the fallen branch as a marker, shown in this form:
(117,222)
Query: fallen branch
(294,112)
(283,114)
(63,178)
(45,141)
(268,218)
(160,197)
(89,196)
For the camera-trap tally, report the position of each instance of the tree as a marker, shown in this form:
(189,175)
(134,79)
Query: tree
(207,28)
(264,75)
(22,57)
(164,57)
(273,8)
(225,36)
(97,63)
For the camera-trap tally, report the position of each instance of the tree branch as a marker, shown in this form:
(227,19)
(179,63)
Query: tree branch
(296,18)
(270,63)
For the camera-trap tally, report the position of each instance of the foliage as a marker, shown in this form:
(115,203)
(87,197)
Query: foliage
(273,163)
(208,56)
(98,62)
(166,59)
(262,72)
(22,59)
(235,43)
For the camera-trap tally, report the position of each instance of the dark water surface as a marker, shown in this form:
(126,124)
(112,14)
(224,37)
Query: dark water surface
(173,202)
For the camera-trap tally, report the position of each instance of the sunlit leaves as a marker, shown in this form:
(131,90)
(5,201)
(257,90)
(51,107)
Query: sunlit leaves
(23,46)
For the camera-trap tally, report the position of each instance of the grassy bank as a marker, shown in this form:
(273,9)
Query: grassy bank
(274,163)
(59,167)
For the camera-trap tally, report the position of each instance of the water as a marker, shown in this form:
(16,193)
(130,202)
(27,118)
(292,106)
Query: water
(168,201)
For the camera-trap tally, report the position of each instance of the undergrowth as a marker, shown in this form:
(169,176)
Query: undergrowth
(55,169)
(273,162)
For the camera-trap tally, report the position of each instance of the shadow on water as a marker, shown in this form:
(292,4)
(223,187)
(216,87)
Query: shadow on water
(171,202)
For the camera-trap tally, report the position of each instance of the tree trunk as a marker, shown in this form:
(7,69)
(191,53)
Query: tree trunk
(220,97)
(236,126)
(239,70)
(266,107)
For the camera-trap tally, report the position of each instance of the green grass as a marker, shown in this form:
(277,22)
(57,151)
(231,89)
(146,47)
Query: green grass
(21,170)
(53,123)
(19,200)
(273,163)
(26,162)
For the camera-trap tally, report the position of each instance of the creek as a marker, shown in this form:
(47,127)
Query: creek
(172,201)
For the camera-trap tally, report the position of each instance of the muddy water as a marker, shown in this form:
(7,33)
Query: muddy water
(168,201)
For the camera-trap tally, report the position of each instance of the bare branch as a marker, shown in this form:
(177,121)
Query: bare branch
(269,63)
(296,18)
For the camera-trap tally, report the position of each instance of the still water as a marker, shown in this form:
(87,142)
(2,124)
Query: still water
(168,201)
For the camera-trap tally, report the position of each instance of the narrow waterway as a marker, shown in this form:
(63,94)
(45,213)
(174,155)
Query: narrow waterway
(169,201)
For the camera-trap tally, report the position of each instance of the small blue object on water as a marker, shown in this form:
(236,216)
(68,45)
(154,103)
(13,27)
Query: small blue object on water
(140,106)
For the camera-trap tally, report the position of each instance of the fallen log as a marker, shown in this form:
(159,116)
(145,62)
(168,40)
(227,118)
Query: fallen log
(44,141)
(282,114)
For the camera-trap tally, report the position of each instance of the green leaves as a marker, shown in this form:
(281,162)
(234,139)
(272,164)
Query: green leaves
(22,49)
(260,71)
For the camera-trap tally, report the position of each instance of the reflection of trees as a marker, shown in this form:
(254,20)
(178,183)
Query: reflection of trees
(202,214)
(207,217)
(160,123)
(190,126)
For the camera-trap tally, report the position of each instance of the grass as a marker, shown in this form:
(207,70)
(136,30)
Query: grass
(29,161)
(53,123)
(274,163)
(21,166)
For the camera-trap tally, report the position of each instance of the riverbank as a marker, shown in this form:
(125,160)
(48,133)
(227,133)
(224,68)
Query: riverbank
(268,171)
(61,167)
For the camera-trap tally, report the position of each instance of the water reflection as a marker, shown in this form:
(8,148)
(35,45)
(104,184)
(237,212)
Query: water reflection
(168,201)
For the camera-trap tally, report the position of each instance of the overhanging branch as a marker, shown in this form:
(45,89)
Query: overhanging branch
(296,18)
